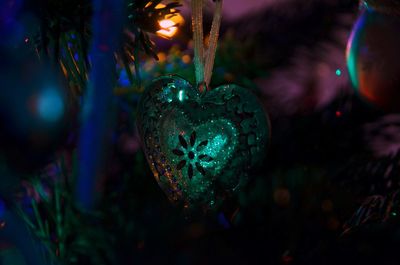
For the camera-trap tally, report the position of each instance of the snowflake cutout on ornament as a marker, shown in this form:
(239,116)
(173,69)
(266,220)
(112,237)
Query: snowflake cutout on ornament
(189,152)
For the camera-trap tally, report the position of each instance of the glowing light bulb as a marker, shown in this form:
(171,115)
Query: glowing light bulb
(169,24)
(168,28)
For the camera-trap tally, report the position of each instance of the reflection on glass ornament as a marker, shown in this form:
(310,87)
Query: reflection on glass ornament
(200,146)
(373,58)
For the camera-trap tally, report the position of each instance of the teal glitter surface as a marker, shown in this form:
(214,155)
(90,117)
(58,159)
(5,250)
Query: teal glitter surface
(197,143)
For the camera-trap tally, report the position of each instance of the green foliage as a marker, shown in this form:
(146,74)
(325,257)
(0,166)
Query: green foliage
(70,235)
(143,18)
(234,63)
(64,35)
(237,61)
(11,256)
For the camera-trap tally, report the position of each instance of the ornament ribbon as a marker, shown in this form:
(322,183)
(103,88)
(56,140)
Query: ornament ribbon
(204,58)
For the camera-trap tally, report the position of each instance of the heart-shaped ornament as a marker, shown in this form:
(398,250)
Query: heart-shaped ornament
(201,145)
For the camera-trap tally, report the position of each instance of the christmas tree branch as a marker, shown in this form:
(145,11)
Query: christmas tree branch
(98,105)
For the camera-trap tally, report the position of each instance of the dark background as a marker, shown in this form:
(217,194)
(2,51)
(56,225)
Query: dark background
(329,151)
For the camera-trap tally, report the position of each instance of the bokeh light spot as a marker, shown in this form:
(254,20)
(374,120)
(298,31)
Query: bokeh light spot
(186,59)
(50,105)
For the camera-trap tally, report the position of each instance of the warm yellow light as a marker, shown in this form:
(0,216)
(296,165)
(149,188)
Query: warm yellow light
(186,59)
(162,57)
(168,28)
(166,24)
(159,6)
(169,24)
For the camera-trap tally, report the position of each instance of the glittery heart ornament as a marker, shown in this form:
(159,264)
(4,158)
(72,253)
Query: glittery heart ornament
(200,145)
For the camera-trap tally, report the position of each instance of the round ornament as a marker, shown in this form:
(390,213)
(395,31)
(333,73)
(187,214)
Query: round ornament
(200,145)
(34,113)
(373,58)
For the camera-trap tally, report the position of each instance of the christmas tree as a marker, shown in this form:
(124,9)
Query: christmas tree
(199,132)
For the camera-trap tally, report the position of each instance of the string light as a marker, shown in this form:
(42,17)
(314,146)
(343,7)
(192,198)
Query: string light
(169,25)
